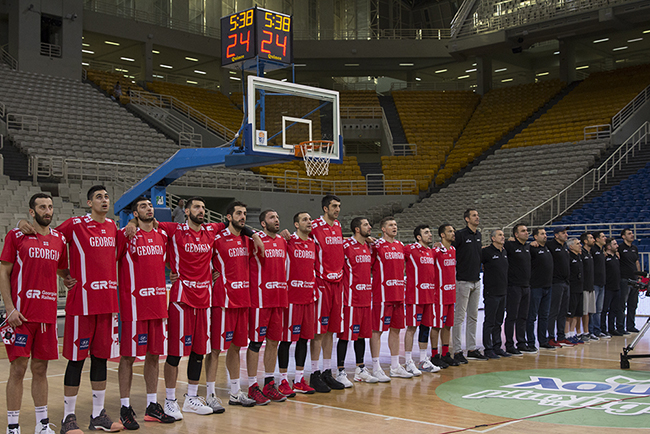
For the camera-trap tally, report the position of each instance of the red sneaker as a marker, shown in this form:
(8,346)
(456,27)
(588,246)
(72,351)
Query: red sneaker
(255,394)
(303,387)
(285,389)
(566,343)
(553,343)
(271,392)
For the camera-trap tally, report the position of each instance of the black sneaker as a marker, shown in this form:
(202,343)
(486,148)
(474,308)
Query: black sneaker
(460,358)
(104,423)
(490,354)
(625,332)
(330,381)
(633,330)
(127,417)
(502,353)
(437,360)
(450,360)
(512,351)
(476,355)
(317,383)
(546,346)
(155,413)
(69,425)
(616,333)
(528,349)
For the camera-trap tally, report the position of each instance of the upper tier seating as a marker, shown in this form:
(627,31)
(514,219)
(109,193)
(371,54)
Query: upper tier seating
(358,98)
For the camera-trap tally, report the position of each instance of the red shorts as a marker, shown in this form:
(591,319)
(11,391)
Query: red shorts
(145,336)
(444,315)
(389,314)
(265,322)
(357,323)
(298,322)
(97,334)
(187,328)
(229,326)
(328,307)
(417,314)
(38,340)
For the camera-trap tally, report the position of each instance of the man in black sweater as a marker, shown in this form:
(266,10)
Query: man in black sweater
(518,291)
(576,285)
(495,287)
(589,297)
(559,289)
(599,283)
(612,289)
(541,279)
(629,257)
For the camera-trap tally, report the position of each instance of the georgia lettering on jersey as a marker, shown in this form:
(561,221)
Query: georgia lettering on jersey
(190,253)
(446,273)
(230,259)
(387,271)
(268,273)
(141,275)
(420,274)
(301,275)
(357,280)
(329,249)
(35,259)
(92,264)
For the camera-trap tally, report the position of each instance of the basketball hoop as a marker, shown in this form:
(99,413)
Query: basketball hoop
(317,155)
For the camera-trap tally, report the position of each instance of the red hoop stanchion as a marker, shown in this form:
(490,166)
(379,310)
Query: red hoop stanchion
(317,155)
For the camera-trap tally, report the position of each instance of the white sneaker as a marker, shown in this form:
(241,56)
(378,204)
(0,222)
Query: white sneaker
(412,369)
(13,430)
(196,404)
(214,403)
(400,372)
(427,366)
(381,376)
(41,428)
(241,399)
(342,378)
(364,375)
(172,409)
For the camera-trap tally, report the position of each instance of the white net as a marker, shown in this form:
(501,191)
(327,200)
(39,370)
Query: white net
(317,155)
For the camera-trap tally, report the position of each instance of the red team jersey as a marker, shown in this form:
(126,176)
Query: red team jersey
(190,253)
(446,274)
(36,259)
(231,253)
(356,274)
(301,275)
(92,264)
(387,271)
(420,274)
(329,244)
(141,274)
(268,274)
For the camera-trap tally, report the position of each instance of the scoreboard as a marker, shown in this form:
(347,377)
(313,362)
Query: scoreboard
(256,32)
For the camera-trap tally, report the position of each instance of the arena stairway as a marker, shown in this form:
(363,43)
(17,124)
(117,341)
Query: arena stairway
(392,116)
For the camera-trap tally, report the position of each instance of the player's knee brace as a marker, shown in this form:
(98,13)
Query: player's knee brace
(423,336)
(255,346)
(283,354)
(72,376)
(173,361)
(97,369)
(194,365)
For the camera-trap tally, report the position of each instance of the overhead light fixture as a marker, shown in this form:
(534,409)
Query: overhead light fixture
(87,51)
(541,74)
(158,76)
(619,48)
(284,79)
(500,69)
(440,71)
(418,79)
(85,45)
(200,72)
(621,60)
(121,70)
(556,53)
(407,64)
(85,64)
(463,76)
(235,78)
(192,82)
(351,64)
(128,59)
(505,80)
(111,43)
(635,40)
(166,66)
(646,31)
(582,67)
(299,64)
(233,72)
(598,41)
(470,70)
(192,59)
(473,64)
(155,51)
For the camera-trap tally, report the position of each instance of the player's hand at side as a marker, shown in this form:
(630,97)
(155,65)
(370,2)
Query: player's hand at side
(173,277)
(285,234)
(16,319)
(69,281)
(26,227)
(215,275)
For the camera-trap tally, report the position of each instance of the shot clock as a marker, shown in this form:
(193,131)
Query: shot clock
(256,32)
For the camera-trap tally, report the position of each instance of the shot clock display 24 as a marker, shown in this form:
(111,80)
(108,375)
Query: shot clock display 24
(256,32)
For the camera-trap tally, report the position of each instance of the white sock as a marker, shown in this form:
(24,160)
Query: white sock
(314,366)
(327,364)
(299,376)
(98,401)
(234,386)
(394,362)
(269,375)
(12,417)
(41,413)
(192,390)
(125,402)
(170,394)
(69,404)
(251,381)
(423,355)
(151,398)
(209,386)
(375,364)
(408,355)
(283,376)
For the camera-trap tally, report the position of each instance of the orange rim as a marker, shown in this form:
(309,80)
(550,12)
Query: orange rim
(297,149)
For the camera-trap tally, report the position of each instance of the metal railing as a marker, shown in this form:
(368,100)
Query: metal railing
(630,108)
(50,50)
(405,149)
(598,132)
(3,110)
(170,102)
(367,34)
(8,58)
(361,112)
(443,85)
(557,205)
(22,122)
